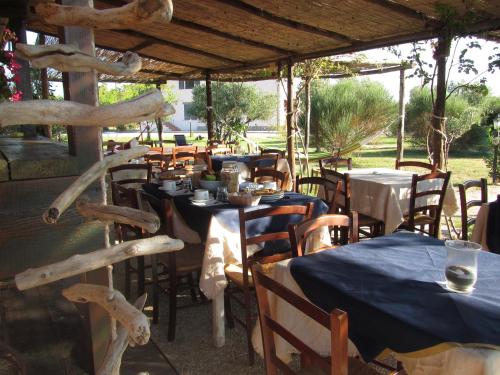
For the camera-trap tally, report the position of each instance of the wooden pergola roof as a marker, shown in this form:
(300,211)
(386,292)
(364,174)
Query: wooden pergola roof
(246,40)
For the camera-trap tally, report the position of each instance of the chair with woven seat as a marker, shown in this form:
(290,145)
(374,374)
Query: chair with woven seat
(299,233)
(428,214)
(338,363)
(239,277)
(311,186)
(343,204)
(465,204)
(178,265)
(260,175)
(334,162)
(415,164)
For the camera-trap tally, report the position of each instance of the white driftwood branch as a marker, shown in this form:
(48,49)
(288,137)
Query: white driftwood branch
(136,13)
(132,319)
(113,359)
(148,106)
(80,263)
(148,221)
(68,196)
(68,58)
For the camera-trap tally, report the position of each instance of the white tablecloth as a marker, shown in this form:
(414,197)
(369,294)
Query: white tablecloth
(384,194)
(454,361)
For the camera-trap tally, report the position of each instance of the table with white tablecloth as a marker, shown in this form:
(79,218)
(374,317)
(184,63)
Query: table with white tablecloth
(384,194)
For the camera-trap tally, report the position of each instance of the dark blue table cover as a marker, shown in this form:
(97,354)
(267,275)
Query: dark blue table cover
(388,287)
(198,218)
(217,160)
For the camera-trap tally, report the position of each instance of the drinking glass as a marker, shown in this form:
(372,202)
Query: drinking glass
(222,194)
(461,265)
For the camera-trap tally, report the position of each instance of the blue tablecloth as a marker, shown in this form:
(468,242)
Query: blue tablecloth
(388,287)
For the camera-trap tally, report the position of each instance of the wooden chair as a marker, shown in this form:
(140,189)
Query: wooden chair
(343,204)
(239,276)
(179,265)
(465,204)
(273,151)
(180,140)
(430,213)
(263,162)
(219,151)
(311,185)
(299,233)
(415,164)
(334,162)
(159,161)
(338,363)
(183,155)
(115,172)
(279,177)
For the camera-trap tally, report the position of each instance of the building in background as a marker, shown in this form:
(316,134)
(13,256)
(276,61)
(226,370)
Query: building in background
(184,122)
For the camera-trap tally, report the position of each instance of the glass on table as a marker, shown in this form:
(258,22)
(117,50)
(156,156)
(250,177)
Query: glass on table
(461,265)
(222,194)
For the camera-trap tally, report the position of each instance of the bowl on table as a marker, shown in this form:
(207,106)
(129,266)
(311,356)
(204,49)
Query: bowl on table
(210,185)
(243,199)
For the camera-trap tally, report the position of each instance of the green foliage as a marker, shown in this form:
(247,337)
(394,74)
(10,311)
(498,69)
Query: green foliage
(350,111)
(235,106)
(123,92)
(491,111)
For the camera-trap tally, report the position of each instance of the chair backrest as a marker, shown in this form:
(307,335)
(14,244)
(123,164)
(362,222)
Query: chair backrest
(278,176)
(465,204)
(184,155)
(300,232)
(164,209)
(336,322)
(415,164)
(126,197)
(334,162)
(180,140)
(244,217)
(273,151)
(431,195)
(135,169)
(219,150)
(158,160)
(263,162)
(342,202)
(311,186)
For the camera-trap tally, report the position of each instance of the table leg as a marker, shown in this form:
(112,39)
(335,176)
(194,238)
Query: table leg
(218,328)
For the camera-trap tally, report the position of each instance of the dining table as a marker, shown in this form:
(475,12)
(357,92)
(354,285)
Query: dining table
(393,290)
(384,194)
(216,224)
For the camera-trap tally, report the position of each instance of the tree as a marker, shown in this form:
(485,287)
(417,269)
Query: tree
(350,112)
(235,106)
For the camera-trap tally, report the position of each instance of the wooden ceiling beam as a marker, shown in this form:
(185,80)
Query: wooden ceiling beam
(225,35)
(405,11)
(142,45)
(163,42)
(286,21)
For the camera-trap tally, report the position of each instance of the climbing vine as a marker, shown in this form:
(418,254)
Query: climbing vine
(9,68)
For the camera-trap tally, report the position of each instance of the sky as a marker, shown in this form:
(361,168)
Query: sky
(391,80)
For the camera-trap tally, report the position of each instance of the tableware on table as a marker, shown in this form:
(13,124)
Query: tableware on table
(169,185)
(187,184)
(222,194)
(201,195)
(210,185)
(244,199)
(250,186)
(230,175)
(461,265)
(270,185)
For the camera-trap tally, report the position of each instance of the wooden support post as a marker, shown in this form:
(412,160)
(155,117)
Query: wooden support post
(24,85)
(438,121)
(210,112)
(47,129)
(401,123)
(87,146)
(159,123)
(290,131)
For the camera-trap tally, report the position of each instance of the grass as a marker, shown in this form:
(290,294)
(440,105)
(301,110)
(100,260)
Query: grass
(381,152)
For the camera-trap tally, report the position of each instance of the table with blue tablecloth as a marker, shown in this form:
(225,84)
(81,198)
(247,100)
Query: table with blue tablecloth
(390,287)
(218,226)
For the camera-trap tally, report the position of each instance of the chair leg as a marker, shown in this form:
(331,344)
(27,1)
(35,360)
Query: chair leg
(172,297)
(128,269)
(140,276)
(227,309)
(156,289)
(249,327)
(192,287)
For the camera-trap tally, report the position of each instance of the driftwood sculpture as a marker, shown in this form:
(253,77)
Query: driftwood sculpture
(64,200)
(51,112)
(68,58)
(135,13)
(112,361)
(81,263)
(149,221)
